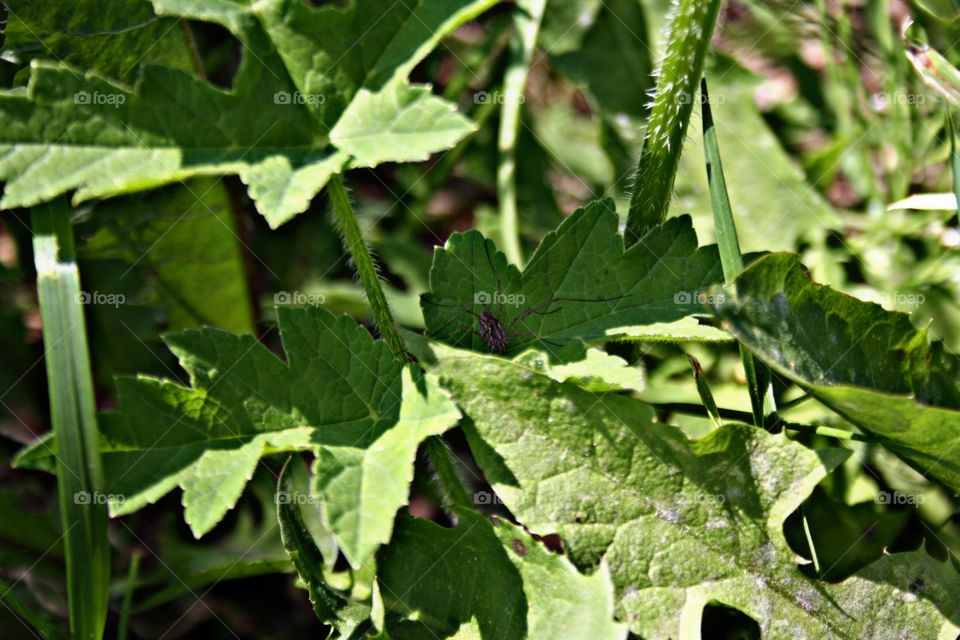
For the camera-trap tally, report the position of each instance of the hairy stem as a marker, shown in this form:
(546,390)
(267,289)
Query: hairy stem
(363,262)
(691,29)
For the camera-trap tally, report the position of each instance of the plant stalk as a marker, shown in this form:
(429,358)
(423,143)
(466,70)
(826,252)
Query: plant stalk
(691,30)
(366,269)
(527,19)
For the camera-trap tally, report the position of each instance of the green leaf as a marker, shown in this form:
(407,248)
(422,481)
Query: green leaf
(596,371)
(681,523)
(363,487)
(869,365)
(340,393)
(494,573)
(683,330)
(579,284)
(288,123)
(115,38)
(187,239)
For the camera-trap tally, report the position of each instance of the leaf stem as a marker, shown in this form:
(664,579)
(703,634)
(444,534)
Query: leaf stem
(363,262)
(773,422)
(80,479)
(527,18)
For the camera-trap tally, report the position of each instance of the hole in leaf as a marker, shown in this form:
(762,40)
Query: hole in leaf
(219,52)
(721,622)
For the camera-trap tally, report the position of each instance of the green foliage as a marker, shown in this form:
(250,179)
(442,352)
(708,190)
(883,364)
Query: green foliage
(869,365)
(289,122)
(579,284)
(542,462)
(680,523)
(505,580)
(245,403)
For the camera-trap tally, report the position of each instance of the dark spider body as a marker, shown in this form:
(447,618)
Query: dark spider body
(492,332)
(491,326)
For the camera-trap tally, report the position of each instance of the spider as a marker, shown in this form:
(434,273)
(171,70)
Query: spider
(492,328)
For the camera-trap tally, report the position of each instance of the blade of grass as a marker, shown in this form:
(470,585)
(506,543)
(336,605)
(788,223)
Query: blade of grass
(935,70)
(33,616)
(128,597)
(954,163)
(758,378)
(526,23)
(83,511)
(691,29)
(363,262)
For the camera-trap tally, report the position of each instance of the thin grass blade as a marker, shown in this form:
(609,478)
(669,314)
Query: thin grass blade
(758,377)
(83,509)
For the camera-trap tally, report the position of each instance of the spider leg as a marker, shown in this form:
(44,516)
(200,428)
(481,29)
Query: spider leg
(526,334)
(540,309)
(493,272)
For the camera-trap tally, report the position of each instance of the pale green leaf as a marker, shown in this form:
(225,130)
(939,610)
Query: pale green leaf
(681,523)
(311,79)
(359,485)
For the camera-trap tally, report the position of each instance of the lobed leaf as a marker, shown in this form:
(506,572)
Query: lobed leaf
(340,393)
(579,284)
(869,365)
(315,87)
(681,523)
